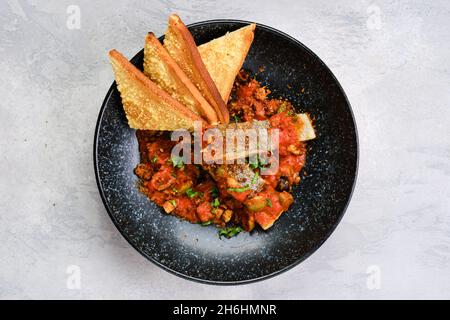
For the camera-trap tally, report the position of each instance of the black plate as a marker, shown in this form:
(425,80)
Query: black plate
(196,252)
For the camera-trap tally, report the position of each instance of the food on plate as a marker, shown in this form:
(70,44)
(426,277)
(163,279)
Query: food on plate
(183,84)
(230,50)
(307,131)
(162,69)
(146,105)
(220,194)
(181,46)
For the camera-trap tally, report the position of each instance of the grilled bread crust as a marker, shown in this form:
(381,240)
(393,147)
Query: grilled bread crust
(182,48)
(224,57)
(162,69)
(147,106)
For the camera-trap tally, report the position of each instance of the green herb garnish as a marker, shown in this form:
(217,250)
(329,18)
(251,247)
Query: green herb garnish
(243,189)
(255,178)
(154,159)
(230,232)
(215,192)
(254,165)
(215,203)
(236,118)
(173,202)
(269,202)
(207,223)
(177,161)
(260,163)
(191,193)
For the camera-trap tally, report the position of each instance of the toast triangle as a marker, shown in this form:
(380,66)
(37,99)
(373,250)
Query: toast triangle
(182,48)
(162,69)
(224,57)
(148,107)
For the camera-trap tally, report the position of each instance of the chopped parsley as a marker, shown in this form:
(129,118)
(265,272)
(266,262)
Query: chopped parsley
(215,192)
(254,165)
(269,202)
(154,159)
(191,193)
(177,161)
(215,203)
(173,202)
(230,232)
(236,118)
(259,163)
(207,223)
(239,190)
(255,178)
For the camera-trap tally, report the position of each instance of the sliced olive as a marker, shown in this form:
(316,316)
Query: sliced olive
(283,184)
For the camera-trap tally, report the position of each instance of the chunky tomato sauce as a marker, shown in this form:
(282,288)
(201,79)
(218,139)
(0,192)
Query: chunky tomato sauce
(201,194)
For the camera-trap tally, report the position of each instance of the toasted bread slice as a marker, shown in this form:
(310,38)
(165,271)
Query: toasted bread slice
(224,57)
(160,67)
(181,46)
(147,106)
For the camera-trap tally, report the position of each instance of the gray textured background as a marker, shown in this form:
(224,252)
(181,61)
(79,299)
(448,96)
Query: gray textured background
(391,57)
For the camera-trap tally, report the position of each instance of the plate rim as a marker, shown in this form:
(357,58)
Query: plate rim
(259,278)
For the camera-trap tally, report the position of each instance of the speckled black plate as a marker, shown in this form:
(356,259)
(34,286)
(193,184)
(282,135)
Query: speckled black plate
(196,252)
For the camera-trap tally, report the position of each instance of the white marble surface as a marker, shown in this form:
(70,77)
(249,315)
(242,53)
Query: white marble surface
(393,60)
